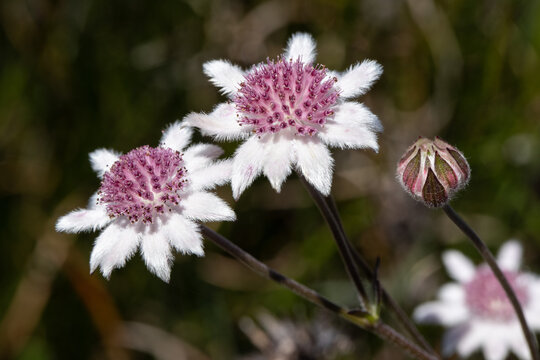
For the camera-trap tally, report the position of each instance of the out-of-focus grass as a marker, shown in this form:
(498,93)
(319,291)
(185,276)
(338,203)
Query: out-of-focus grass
(80,75)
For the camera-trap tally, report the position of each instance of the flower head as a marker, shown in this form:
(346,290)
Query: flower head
(477,309)
(432,171)
(152,198)
(289,110)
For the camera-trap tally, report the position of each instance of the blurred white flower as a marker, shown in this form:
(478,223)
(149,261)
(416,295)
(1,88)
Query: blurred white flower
(477,310)
(152,198)
(288,111)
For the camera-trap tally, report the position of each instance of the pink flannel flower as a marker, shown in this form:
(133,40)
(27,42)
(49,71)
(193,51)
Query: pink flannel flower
(288,111)
(477,310)
(152,198)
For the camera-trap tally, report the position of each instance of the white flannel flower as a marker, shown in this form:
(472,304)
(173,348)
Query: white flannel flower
(477,310)
(152,198)
(289,111)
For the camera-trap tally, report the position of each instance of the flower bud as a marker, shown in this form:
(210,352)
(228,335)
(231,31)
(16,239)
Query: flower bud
(432,171)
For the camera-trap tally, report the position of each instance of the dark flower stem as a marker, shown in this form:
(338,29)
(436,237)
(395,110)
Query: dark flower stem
(488,257)
(330,213)
(401,315)
(375,326)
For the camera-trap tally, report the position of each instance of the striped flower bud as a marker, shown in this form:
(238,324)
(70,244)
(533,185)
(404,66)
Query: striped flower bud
(432,171)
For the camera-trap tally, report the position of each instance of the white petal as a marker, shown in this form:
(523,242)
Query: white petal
(437,312)
(509,256)
(315,164)
(472,341)
(301,46)
(226,76)
(101,160)
(519,346)
(83,220)
(205,206)
(458,266)
(200,155)
(359,78)
(353,127)
(184,235)
(452,293)
(221,123)
(156,253)
(495,348)
(177,136)
(279,156)
(452,337)
(247,164)
(211,176)
(113,247)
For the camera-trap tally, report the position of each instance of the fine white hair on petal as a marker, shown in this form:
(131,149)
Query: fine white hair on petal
(301,46)
(452,293)
(201,155)
(458,266)
(221,123)
(101,160)
(247,164)
(441,313)
(157,254)
(183,235)
(315,163)
(509,256)
(177,136)
(205,206)
(353,127)
(357,80)
(226,76)
(277,164)
(215,174)
(83,220)
(113,247)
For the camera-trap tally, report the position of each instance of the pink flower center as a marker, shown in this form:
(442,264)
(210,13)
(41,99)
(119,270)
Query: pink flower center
(486,298)
(142,183)
(286,94)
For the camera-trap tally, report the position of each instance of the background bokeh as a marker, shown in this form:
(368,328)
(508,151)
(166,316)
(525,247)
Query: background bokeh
(80,75)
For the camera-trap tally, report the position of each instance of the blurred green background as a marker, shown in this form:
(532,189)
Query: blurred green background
(80,75)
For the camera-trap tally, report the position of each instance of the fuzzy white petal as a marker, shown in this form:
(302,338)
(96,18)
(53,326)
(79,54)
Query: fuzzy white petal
(201,155)
(247,164)
(301,46)
(437,312)
(177,136)
(184,235)
(359,78)
(277,165)
(101,160)
(221,123)
(519,346)
(315,163)
(156,253)
(452,293)
(226,76)
(458,266)
(509,256)
(211,176)
(353,126)
(496,348)
(205,206)
(471,341)
(113,247)
(83,220)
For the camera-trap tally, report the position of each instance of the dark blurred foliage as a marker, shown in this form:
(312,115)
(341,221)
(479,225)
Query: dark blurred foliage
(80,75)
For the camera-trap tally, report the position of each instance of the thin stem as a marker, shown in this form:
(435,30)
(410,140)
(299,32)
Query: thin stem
(344,249)
(377,327)
(401,315)
(488,257)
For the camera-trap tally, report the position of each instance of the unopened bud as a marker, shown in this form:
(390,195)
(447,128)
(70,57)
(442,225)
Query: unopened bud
(432,171)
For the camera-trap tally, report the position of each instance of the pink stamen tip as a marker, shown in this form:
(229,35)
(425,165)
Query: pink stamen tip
(294,93)
(142,183)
